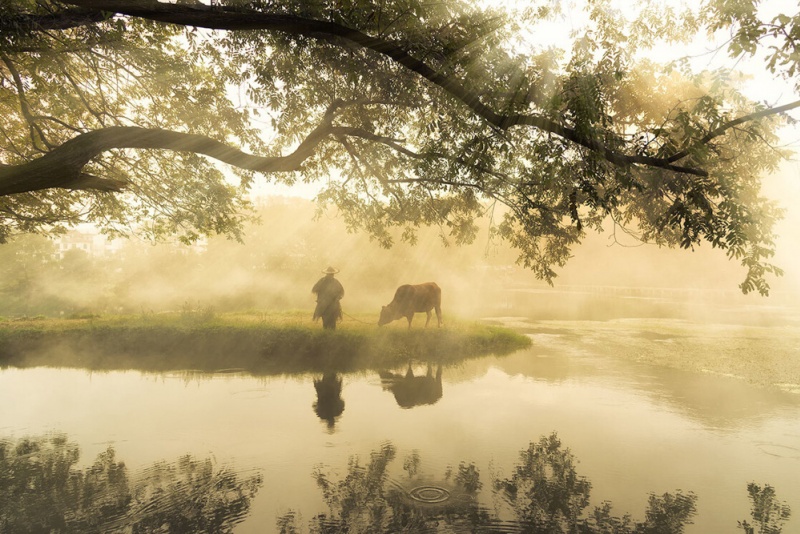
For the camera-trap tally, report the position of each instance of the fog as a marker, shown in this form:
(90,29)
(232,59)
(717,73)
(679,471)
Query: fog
(283,255)
(274,269)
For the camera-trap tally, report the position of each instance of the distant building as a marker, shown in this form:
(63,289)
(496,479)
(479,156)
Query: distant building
(93,244)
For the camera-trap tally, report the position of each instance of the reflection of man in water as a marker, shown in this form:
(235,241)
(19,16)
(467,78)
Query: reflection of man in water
(330,404)
(329,292)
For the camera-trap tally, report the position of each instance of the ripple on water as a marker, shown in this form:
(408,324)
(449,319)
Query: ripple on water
(780,451)
(429,494)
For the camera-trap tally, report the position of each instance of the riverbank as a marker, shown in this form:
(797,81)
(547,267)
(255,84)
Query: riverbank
(767,356)
(259,343)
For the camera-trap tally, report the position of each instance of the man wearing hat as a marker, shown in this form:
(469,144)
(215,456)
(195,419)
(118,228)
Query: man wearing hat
(329,292)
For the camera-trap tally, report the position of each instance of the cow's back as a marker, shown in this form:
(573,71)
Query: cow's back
(418,298)
(403,296)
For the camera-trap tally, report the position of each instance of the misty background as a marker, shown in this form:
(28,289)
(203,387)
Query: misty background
(609,276)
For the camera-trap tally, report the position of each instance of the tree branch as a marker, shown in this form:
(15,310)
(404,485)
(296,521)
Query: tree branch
(236,18)
(230,18)
(62,166)
(730,124)
(33,127)
(61,20)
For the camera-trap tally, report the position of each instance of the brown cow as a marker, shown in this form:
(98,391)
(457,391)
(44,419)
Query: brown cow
(409,300)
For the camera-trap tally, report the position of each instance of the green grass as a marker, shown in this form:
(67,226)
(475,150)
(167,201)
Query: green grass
(257,342)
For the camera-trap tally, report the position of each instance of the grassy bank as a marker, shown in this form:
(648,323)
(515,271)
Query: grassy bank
(256,342)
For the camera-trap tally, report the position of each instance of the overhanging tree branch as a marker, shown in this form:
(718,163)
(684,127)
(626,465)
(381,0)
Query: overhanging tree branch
(735,122)
(61,20)
(230,18)
(235,18)
(24,106)
(545,153)
(62,166)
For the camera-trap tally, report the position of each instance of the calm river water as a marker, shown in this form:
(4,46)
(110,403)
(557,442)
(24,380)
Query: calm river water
(260,454)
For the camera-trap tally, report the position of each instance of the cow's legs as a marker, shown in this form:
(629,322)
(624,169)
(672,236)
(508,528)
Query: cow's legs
(438,315)
(428,319)
(409,317)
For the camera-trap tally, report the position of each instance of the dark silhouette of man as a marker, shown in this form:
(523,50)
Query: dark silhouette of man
(329,292)
(329,405)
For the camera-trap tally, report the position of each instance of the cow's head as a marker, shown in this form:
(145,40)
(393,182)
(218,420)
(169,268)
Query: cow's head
(387,315)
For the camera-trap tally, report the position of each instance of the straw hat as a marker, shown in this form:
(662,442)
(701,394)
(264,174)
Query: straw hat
(330,270)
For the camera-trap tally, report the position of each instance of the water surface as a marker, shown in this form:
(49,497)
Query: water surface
(288,451)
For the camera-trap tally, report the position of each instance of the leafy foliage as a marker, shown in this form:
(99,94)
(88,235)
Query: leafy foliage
(778,38)
(56,84)
(407,113)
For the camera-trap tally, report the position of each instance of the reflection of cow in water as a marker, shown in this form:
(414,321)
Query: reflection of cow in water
(410,390)
(330,404)
(409,300)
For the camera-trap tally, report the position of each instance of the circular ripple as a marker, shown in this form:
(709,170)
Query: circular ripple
(429,494)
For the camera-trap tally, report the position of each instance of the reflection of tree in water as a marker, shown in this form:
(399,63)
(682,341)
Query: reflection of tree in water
(366,500)
(545,490)
(359,502)
(329,404)
(545,494)
(410,390)
(42,491)
(767,512)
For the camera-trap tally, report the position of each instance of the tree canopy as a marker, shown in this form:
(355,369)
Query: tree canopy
(407,113)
